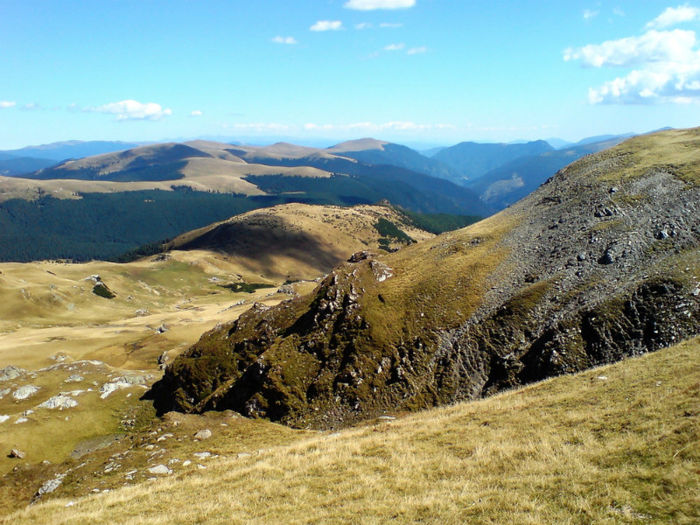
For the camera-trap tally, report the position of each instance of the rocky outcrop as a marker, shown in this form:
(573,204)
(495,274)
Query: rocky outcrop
(602,262)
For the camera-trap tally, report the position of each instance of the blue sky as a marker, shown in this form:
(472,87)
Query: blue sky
(410,71)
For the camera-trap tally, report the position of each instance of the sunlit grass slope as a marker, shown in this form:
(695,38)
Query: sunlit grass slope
(617,444)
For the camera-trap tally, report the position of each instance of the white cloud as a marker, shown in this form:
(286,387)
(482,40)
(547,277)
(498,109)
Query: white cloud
(417,50)
(589,14)
(664,68)
(289,40)
(673,16)
(370,5)
(133,110)
(327,25)
(196,113)
(652,46)
(383,25)
(617,11)
(395,47)
(31,106)
(7,104)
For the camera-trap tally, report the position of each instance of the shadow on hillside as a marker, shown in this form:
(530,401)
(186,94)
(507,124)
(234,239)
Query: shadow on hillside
(262,238)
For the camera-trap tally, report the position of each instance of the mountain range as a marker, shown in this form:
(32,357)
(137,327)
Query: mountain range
(96,206)
(599,263)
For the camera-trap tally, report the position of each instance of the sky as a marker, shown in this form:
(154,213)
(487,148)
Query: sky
(430,72)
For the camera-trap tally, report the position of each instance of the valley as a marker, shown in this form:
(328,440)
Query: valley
(132,386)
(91,357)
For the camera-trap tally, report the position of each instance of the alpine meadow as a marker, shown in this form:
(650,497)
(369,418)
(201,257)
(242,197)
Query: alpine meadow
(349,261)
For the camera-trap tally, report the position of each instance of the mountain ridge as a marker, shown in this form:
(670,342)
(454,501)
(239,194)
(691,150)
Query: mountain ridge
(612,273)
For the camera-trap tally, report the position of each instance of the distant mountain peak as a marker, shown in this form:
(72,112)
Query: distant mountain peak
(358,145)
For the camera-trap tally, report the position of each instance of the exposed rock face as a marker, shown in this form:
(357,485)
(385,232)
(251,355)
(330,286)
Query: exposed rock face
(25,392)
(573,276)
(11,372)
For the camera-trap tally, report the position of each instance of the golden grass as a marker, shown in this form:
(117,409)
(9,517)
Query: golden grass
(48,308)
(618,444)
(639,155)
(417,298)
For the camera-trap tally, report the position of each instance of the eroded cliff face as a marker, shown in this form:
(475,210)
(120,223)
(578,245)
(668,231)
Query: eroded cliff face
(601,262)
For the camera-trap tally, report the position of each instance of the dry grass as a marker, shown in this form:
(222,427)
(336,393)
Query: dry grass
(417,298)
(640,155)
(618,444)
(48,308)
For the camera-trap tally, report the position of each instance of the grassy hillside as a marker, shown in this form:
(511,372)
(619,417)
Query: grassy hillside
(618,444)
(54,324)
(600,263)
(299,241)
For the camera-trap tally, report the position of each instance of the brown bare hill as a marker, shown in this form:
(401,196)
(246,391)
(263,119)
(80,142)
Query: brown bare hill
(600,263)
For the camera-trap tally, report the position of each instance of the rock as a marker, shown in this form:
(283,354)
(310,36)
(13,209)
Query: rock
(11,372)
(24,392)
(161,329)
(381,271)
(16,454)
(21,420)
(359,256)
(662,234)
(108,388)
(74,378)
(60,401)
(607,257)
(203,434)
(121,382)
(50,485)
(134,379)
(286,289)
(202,455)
(3,418)
(4,392)
(160,469)
(581,257)
(186,463)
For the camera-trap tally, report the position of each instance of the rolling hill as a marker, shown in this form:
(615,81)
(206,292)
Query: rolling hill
(71,149)
(473,159)
(105,205)
(517,178)
(599,263)
(371,151)
(58,329)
